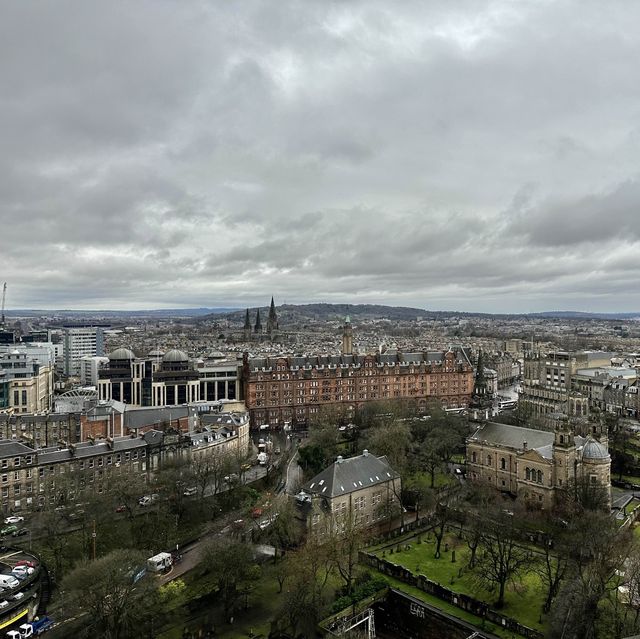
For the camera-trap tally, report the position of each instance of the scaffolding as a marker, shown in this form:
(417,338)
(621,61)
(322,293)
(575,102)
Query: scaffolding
(344,626)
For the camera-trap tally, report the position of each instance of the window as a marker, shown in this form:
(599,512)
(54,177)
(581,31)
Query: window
(503,463)
(473,457)
(488,460)
(16,461)
(527,473)
(539,476)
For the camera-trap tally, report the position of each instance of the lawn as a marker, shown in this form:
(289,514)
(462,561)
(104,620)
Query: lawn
(523,600)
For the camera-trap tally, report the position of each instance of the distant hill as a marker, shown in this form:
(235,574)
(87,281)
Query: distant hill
(328,312)
(585,315)
(155,313)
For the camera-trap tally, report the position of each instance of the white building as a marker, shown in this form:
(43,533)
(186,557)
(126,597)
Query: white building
(89,367)
(79,342)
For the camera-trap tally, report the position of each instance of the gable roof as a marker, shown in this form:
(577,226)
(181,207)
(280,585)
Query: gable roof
(346,476)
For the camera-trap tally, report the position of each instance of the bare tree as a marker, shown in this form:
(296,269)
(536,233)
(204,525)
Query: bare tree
(502,559)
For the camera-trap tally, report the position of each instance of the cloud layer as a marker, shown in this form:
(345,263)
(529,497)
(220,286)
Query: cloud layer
(471,155)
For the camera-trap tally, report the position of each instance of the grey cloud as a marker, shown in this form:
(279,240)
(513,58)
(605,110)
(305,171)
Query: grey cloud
(468,154)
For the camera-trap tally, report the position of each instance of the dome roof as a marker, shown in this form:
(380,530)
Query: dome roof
(594,450)
(175,356)
(121,353)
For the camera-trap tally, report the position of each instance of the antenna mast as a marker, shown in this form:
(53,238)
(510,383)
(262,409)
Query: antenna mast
(4,295)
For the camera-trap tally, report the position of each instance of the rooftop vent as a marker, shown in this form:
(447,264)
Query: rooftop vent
(340,459)
(365,452)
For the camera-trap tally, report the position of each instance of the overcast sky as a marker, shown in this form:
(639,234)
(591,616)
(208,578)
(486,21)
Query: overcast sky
(446,155)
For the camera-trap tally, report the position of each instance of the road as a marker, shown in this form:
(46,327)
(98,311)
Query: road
(294,476)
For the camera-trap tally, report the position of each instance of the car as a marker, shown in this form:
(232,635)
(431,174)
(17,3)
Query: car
(121,508)
(20,532)
(4,604)
(147,500)
(18,595)
(190,491)
(7,530)
(26,562)
(22,571)
(233,477)
(14,519)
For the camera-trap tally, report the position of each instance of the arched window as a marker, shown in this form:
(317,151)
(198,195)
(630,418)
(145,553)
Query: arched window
(488,460)
(527,473)
(539,476)
(562,439)
(503,463)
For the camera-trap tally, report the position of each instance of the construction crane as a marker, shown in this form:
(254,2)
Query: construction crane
(4,295)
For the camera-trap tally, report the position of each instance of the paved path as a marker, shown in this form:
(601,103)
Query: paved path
(294,475)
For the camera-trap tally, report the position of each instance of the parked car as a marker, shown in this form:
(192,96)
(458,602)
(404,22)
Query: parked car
(22,571)
(4,604)
(7,530)
(190,491)
(20,532)
(14,519)
(233,477)
(18,595)
(26,562)
(121,508)
(147,500)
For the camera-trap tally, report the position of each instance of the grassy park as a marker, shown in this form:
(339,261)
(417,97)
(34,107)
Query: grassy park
(523,601)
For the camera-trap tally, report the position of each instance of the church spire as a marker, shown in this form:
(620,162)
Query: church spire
(258,326)
(272,320)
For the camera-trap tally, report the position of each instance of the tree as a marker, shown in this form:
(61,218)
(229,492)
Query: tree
(346,537)
(598,550)
(305,595)
(232,566)
(553,562)
(283,529)
(501,559)
(443,515)
(419,493)
(393,441)
(106,589)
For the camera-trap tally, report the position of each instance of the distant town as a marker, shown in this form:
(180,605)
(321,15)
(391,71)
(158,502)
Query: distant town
(302,471)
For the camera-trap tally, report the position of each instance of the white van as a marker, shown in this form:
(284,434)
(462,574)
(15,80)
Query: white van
(160,562)
(8,581)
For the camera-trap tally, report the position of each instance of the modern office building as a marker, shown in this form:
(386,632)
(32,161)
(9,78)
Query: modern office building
(81,341)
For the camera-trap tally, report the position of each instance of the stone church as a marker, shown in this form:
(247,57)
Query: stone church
(534,465)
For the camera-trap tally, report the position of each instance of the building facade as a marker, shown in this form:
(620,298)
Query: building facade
(362,491)
(79,342)
(32,478)
(290,390)
(167,379)
(535,465)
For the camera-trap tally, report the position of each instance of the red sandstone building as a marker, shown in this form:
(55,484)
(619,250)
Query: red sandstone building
(280,390)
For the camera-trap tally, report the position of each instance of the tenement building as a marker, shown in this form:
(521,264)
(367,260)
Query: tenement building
(290,390)
(534,465)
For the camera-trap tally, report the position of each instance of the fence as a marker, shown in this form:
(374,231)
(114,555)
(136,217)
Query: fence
(464,602)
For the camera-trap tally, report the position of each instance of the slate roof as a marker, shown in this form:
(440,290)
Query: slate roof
(86,449)
(394,357)
(515,436)
(141,417)
(9,448)
(512,436)
(350,475)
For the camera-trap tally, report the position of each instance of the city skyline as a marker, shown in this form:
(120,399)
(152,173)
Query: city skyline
(480,156)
